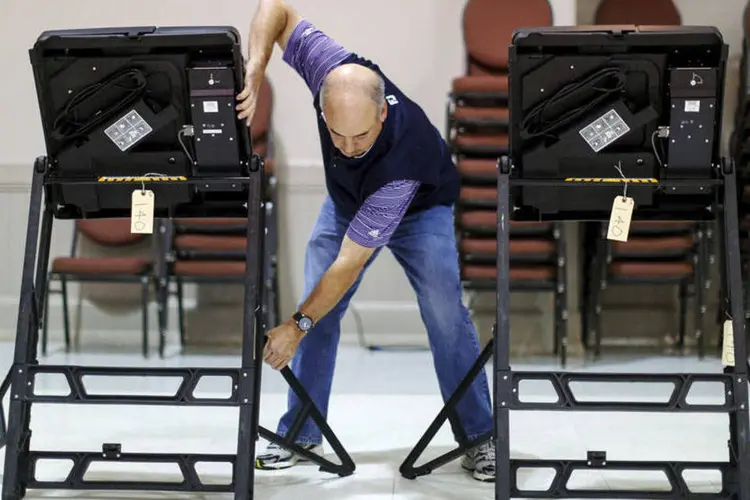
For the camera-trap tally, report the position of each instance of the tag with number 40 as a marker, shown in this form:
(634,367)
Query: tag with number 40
(619,220)
(142,212)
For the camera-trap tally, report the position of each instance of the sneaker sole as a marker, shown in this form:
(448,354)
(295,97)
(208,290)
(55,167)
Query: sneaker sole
(484,478)
(286,464)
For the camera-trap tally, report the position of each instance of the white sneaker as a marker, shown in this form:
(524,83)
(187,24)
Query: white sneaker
(276,457)
(481,462)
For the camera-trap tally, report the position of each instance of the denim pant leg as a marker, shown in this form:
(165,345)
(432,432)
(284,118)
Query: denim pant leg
(425,246)
(315,359)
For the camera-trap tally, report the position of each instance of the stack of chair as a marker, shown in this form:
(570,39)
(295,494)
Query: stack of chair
(536,251)
(477,115)
(674,253)
(212,250)
(477,132)
(656,253)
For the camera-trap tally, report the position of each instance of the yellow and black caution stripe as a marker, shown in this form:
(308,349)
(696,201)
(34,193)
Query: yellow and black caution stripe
(142,179)
(614,180)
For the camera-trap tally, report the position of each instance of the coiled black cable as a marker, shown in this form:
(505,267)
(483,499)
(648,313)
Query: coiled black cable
(69,125)
(605,82)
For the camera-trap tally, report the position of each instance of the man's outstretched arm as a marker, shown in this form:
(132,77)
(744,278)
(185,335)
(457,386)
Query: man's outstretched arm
(273,23)
(371,228)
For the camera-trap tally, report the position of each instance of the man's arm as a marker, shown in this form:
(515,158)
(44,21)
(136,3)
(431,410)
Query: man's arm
(273,23)
(313,54)
(370,229)
(310,52)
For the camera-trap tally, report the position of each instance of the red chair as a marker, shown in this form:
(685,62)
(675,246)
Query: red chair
(112,234)
(639,12)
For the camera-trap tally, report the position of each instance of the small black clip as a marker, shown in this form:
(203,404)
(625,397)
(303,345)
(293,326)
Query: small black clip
(596,458)
(111,451)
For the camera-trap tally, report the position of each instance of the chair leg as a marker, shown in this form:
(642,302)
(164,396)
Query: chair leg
(45,317)
(561,327)
(144,317)
(700,309)
(556,347)
(598,290)
(589,310)
(162,299)
(683,298)
(180,310)
(66,315)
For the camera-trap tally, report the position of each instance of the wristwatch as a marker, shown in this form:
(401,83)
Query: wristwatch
(304,323)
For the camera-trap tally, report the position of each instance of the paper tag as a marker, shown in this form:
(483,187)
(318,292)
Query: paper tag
(727,350)
(142,212)
(619,221)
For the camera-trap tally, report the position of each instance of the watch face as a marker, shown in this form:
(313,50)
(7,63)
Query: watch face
(304,324)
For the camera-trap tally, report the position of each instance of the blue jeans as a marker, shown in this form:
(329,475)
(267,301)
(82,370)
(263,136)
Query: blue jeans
(425,246)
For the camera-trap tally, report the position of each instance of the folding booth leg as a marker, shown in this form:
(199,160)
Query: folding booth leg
(499,347)
(448,412)
(3,423)
(252,368)
(502,383)
(309,410)
(25,352)
(739,425)
(252,343)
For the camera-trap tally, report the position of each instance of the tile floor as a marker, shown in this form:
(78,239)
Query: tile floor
(382,403)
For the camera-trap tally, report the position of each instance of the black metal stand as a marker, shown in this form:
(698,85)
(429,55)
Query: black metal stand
(735,472)
(408,468)
(20,460)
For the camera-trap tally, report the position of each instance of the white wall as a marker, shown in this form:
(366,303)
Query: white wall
(417,42)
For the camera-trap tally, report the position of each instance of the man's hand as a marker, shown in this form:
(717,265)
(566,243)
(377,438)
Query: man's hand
(284,340)
(282,344)
(249,96)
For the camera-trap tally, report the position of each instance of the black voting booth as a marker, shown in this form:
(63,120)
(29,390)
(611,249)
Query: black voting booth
(599,113)
(127,112)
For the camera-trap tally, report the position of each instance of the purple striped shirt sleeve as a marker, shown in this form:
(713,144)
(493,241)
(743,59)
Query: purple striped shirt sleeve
(381,213)
(313,54)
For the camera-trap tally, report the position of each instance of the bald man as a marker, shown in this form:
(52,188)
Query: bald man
(392,183)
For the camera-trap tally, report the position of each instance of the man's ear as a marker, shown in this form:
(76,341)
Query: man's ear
(384,112)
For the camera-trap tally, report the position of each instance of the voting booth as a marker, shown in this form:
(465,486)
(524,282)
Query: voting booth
(614,124)
(140,123)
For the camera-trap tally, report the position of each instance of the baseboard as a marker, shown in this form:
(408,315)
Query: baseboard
(109,326)
(384,323)
(374,322)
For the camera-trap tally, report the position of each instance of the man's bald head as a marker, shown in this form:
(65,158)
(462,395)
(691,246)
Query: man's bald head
(352,99)
(353,81)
